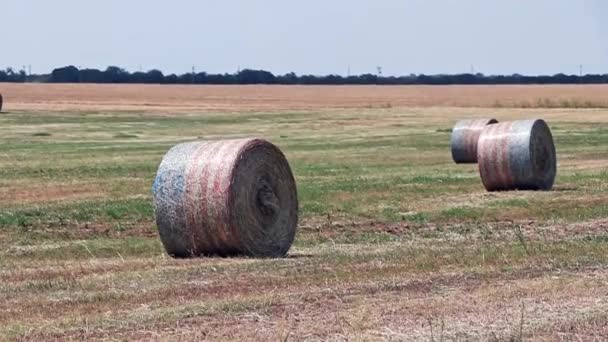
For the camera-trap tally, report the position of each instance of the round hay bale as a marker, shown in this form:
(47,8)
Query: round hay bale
(227,197)
(517,155)
(464,139)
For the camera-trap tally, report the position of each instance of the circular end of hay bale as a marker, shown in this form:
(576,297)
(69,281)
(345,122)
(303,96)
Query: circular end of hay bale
(517,155)
(229,197)
(542,156)
(464,139)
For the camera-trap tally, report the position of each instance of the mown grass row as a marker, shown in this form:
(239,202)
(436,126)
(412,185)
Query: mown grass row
(377,176)
(392,173)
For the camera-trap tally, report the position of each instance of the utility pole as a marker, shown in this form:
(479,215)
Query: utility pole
(580,70)
(348,72)
(193,74)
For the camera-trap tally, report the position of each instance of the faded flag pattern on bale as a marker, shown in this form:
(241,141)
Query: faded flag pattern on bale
(517,155)
(464,139)
(227,197)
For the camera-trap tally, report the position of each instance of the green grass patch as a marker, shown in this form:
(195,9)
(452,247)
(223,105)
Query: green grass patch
(461,214)
(57,215)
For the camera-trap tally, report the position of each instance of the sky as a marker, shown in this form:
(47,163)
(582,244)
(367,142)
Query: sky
(308,37)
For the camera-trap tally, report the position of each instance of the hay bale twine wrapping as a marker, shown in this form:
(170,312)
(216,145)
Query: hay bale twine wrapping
(464,139)
(517,155)
(227,197)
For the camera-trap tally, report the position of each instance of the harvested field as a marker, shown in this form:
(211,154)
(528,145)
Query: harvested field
(396,242)
(180,98)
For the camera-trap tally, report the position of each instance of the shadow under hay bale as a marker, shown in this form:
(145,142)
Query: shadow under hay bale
(464,139)
(228,197)
(517,155)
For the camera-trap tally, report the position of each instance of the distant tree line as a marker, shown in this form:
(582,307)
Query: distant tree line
(10,75)
(113,74)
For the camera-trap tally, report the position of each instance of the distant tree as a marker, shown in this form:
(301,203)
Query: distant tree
(308,79)
(333,79)
(171,79)
(91,76)
(138,77)
(155,76)
(115,74)
(248,76)
(200,78)
(67,74)
(290,78)
(461,79)
(9,75)
(215,79)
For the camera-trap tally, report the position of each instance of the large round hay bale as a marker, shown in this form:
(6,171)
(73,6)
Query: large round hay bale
(464,139)
(227,197)
(517,155)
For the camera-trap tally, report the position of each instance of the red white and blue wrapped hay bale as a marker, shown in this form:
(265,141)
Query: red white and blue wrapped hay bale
(464,139)
(517,155)
(227,197)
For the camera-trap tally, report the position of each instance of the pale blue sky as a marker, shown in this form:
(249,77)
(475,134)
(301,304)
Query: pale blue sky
(312,36)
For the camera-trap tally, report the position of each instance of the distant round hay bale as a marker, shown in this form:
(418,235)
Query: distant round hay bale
(517,155)
(464,139)
(227,197)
